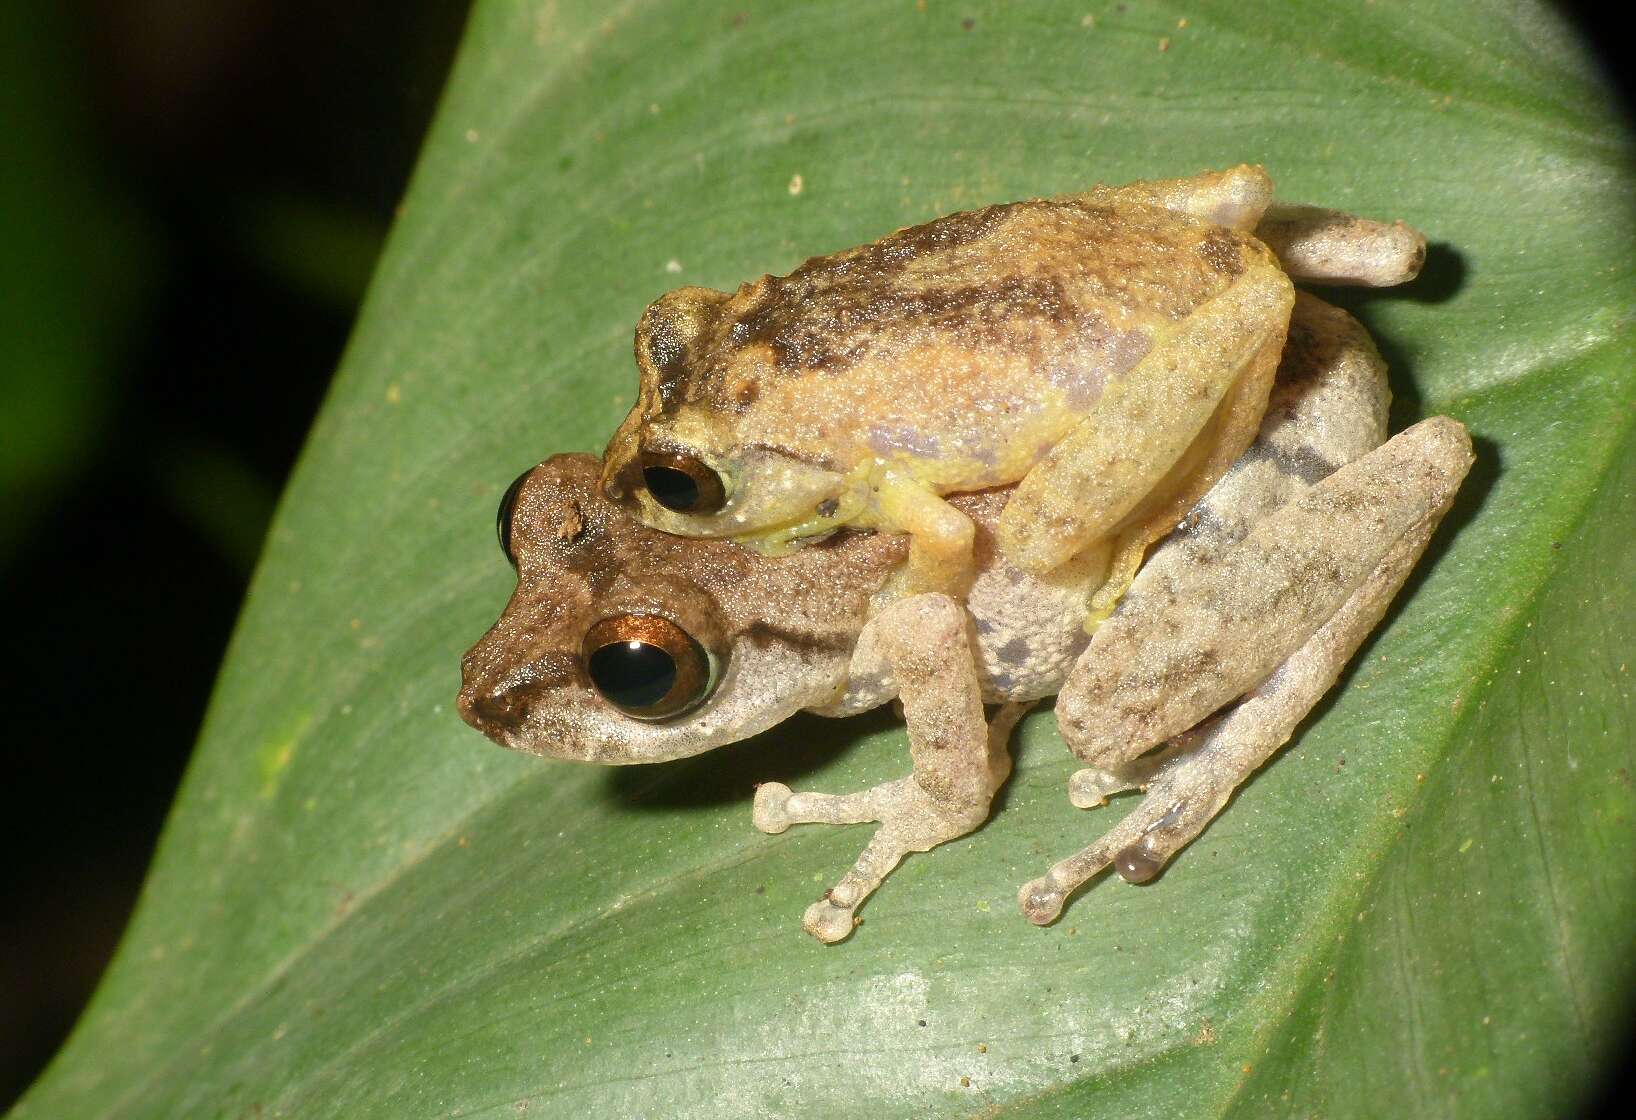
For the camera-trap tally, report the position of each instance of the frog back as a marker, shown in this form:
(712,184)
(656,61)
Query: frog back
(961,349)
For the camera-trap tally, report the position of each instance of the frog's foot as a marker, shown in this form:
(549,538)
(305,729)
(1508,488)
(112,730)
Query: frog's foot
(911,820)
(1192,777)
(1091,787)
(1181,799)
(1330,247)
(922,643)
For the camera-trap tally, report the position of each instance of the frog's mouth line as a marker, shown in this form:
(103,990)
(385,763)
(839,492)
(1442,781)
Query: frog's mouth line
(759,683)
(768,528)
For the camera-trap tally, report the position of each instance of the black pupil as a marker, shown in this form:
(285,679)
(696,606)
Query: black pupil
(671,488)
(502,518)
(633,674)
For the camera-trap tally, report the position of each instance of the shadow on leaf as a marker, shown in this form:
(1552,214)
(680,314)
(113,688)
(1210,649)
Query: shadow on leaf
(785,753)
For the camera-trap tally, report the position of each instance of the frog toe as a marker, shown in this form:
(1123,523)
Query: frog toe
(771,812)
(1041,902)
(1089,788)
(829,921)
(1184,796)
(1330,247)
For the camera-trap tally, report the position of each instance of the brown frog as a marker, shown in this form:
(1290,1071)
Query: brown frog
(1110,352)
(622,644)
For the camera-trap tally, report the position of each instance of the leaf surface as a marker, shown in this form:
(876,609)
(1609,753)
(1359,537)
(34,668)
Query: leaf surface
(1425,906)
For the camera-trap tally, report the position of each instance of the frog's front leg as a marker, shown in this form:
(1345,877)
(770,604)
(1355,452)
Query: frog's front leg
(940,536)
(1280,615)
(959,760)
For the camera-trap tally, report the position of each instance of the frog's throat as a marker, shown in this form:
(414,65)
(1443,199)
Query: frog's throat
(840,511)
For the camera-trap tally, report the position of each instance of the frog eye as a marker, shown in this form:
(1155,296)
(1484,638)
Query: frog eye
(502,517)
(681,483)
(647,666)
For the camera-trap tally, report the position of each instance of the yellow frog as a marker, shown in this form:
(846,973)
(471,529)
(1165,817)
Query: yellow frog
(1110,351)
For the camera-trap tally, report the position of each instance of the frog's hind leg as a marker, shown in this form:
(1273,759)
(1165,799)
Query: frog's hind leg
(1157,438)
(1264,591)
(1193,785)
(1330,247)
(922,643)
(1298,558)
(1312,243)
(1186,645)
(1235,198)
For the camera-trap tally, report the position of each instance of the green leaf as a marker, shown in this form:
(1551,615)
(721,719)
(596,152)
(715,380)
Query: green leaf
(1424,907)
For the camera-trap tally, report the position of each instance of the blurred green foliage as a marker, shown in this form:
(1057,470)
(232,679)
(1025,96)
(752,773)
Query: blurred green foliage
(76,270)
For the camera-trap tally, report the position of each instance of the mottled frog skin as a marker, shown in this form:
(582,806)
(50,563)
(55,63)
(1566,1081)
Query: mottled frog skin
(1111,352)
(623,644)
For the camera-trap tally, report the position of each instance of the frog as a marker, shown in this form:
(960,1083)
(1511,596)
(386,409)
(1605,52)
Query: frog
(1110,352)
(623,644)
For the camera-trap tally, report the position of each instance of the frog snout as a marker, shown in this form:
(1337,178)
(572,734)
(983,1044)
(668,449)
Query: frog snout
(501,699)
(502,709)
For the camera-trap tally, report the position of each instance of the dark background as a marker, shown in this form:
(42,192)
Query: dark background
(190,205)
(199,189)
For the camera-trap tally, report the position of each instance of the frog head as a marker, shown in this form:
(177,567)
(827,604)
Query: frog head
(681,460)
(623,644)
